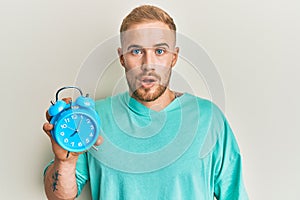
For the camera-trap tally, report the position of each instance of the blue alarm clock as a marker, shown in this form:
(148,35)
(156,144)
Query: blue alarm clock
(76,124)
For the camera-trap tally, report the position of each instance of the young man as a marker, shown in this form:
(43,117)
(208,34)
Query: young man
(155,143)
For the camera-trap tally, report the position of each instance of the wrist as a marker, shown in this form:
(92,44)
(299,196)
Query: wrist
(66,163)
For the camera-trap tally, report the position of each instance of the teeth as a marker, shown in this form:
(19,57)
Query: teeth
(148,80)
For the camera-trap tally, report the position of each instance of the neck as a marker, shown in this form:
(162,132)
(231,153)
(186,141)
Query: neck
(160,103)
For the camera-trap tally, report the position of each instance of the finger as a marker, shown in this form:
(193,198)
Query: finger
(67,99)
(48,117)
(47,128)
(99,141)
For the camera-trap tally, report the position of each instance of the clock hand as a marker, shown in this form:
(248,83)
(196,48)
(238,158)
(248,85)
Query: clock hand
(71,128)
(77,130)
(79,124)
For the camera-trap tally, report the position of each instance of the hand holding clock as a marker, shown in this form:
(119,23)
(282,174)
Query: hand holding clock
(59,152)
(73,127)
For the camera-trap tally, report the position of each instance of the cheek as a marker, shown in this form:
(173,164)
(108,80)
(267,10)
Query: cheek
(167,75)
(131,64)
(165,61)
(132,73)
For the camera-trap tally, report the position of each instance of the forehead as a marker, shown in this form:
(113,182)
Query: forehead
(148,34)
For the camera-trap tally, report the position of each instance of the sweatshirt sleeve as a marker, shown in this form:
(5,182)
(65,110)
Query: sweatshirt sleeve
(228,180)
(82,174)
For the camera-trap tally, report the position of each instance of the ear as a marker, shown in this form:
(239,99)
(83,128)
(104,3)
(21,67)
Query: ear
(121,57)
(175,56)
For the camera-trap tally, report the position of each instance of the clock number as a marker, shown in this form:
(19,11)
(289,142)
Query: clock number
(63,126)
(91,134)
(88,121)
(72,143)
(75,107)
(87,140)
(66,140)
(67,120)
(62,133)
(79,144)
(74,116)
(92,127)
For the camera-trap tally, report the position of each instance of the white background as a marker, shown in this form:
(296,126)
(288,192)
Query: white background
(254,45)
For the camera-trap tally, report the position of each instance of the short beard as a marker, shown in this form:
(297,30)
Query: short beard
(145,96)
(148,94)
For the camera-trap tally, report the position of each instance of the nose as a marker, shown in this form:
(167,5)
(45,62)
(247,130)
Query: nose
(148,60)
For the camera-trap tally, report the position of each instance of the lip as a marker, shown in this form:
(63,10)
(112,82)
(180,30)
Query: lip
(148,81)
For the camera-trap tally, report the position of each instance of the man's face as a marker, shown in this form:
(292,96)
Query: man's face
(148,54)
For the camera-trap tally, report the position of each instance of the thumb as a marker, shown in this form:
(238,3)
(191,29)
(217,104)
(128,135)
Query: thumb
(47,127)
(99,141)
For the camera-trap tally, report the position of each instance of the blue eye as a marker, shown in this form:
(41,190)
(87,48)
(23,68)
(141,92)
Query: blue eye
(159,51)
(136,51)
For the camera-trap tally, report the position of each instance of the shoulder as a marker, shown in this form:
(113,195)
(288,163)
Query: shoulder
(212,124)
(108,102)
(205,107)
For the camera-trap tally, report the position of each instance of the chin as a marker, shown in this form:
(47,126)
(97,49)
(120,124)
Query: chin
(149,95)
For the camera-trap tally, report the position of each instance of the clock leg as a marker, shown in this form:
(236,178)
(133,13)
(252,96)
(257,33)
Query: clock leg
(68,154)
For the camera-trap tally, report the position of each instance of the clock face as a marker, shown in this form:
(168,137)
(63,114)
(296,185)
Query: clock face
(76,132)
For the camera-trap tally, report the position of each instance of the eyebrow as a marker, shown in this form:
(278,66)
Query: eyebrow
(134,46)
(161,44)
(156,45)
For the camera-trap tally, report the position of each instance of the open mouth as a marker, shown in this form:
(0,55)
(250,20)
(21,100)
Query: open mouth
(148,81)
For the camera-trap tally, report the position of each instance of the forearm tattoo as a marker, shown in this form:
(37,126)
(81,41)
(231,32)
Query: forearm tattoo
(55,180)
